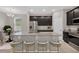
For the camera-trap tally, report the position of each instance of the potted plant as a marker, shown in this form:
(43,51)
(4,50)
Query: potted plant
(8,29)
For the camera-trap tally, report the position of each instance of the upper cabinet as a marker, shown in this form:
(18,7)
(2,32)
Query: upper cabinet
(42,20)
(69,17)
(72,15)
(76,12)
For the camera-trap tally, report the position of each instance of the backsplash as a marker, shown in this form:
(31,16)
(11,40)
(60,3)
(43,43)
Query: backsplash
(71,28)
(44,27)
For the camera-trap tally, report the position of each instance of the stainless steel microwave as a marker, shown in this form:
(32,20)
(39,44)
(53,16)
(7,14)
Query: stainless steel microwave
(75,21)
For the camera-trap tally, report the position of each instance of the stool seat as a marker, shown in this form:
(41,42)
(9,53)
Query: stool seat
(42,42)
(29,42)
(55,43)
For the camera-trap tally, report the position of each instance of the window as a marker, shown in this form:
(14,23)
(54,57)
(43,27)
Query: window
(17,25)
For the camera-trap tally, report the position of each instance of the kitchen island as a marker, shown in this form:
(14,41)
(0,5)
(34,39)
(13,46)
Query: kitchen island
(40,33)
(43,35)
(42,41)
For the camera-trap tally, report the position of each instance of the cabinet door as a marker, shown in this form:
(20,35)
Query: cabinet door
(69,17)
(76,12)
(75,40)
(66,37)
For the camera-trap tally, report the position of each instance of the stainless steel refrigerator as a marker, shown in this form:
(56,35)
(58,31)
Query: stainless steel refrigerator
(33,26)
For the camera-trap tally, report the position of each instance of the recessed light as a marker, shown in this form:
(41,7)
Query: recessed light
(43,10)
(31,10)
(10,15)
(53,10)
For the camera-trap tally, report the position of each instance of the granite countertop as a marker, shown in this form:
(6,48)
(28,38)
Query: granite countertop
(75,34)
(41,33)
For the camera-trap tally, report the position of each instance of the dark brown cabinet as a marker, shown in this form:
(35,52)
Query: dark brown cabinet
(42,20)
(72,14)
(69,17)
(70,38)
(76,12)
(66,37)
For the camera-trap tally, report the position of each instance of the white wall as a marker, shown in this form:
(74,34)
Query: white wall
(24,23)
(3,19)
(58,23)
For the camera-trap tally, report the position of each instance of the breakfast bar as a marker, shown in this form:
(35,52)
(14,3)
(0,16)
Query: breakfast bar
(36,42)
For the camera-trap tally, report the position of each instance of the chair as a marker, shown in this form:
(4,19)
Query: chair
(17,44)
(54,44)
(29,43)
(42,43)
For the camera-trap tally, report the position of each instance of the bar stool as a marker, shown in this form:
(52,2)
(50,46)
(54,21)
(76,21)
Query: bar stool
(17,47)
(17,44)
(54,44)
(29,43)
(42,43)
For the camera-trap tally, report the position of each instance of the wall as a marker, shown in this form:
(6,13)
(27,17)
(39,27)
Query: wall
(58,23)
(24,22)
(3,19)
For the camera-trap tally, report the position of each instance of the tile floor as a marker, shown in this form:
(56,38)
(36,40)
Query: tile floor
(65,48)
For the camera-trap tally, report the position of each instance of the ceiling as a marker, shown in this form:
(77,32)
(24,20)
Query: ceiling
(33,9)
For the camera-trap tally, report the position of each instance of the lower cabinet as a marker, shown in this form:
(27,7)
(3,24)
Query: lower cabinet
(75,40)
(66,37)
(69,38)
